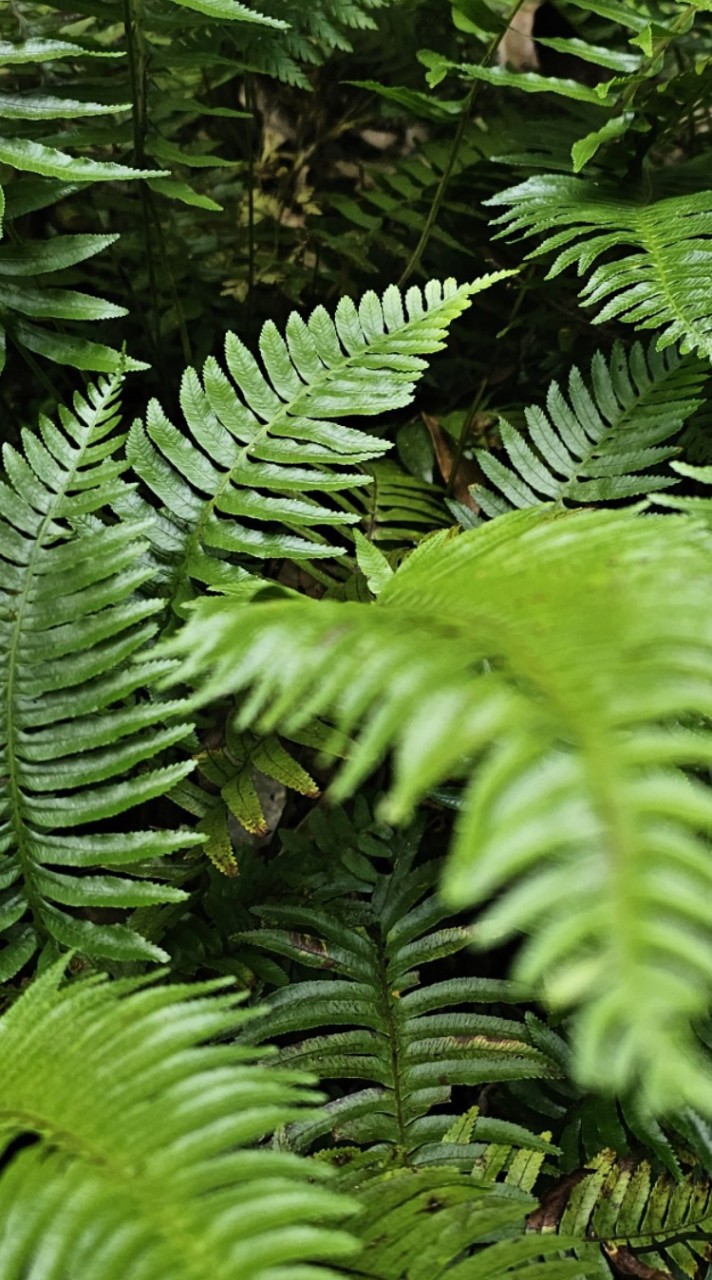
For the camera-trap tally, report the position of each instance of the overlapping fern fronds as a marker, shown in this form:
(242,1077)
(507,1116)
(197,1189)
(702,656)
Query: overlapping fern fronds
(436,1224)
(598,445)
(532,656)
(657,254)
(411,1040)
(79,731)
(646,1225)
(263,440)
(141,1159)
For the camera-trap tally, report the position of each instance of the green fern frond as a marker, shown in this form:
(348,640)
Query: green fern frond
(662,251)
(77,738)
(645,1225)
(266,433)
(142,1159)
(436,1224)
(411,1040)
(598,445)
(556,662)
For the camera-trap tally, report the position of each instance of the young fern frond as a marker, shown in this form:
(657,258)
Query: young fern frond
(663,251)
(142,1159)
(597,445)
(264,434)
(77,739)
(532,656)
(412,1040)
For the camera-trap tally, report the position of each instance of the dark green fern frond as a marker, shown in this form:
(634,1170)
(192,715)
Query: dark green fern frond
(263,440)
(77,738)
(142,1159)
(436,1224)
(411,1040)
(598,445)
(554,660)
(645,1225)
(661,251)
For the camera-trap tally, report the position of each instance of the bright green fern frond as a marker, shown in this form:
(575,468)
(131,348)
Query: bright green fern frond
(411,1039)
(264,440)
(662,251)
(561,662)
(76,738)
(596,446)
(141,1163)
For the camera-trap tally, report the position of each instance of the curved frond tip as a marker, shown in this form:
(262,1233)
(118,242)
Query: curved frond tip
(532,658)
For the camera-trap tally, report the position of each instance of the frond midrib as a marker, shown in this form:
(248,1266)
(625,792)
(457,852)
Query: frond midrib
(12,731)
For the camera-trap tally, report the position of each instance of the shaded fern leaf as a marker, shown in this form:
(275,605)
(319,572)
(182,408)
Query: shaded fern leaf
(153,1175)
(424,1224)
(263,440)
(411,1040)
(662,251)
(646,1225)
(77,739)
(597,445)
(532,657)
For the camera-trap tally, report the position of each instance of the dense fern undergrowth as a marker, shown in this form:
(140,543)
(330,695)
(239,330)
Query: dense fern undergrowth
(356,640)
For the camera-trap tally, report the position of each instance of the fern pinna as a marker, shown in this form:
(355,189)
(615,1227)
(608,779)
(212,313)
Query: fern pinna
(79,730)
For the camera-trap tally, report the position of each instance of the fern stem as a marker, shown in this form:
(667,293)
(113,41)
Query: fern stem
(417,254)
(389,997)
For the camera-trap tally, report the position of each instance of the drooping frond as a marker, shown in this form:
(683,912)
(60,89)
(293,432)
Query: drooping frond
(658,254)
(77,736)
(263,441)
(644,1225)
(597,445)
(141,1159)
(556,660)
(409,1039)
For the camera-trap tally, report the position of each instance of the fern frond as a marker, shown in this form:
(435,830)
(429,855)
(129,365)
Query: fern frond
(658,278)
(435,1223)
(597,446)
(266,433)
(77,739)
(411,1040)
(556,661)
(141,1162)
(646,1225)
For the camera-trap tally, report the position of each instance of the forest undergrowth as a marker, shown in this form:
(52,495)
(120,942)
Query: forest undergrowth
(356,640)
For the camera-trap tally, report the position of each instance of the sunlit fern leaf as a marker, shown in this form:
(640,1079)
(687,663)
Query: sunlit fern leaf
(143,1159)
(263,441)
(408,1039)
(555,660)
(424,1224)
(77,739)
(658,1225)
(598,445)
(658,254)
